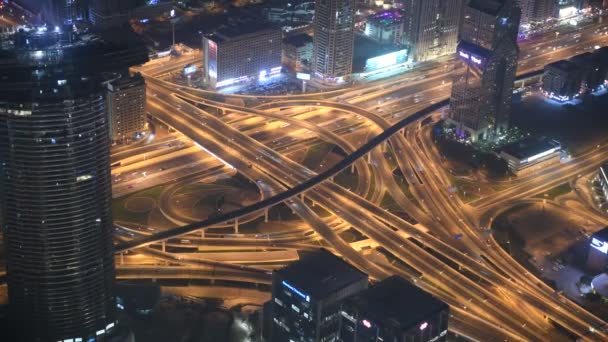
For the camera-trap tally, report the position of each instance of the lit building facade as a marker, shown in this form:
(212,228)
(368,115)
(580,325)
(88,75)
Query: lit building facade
(126,102)
(483,81)
(603,179)
(306,297)
(393,310)
(537,11)
(55,189)
(597,256)
(531,155)
(431,27)
(333,41)
(562,80)
(239,52)
(385,27)
(297,51)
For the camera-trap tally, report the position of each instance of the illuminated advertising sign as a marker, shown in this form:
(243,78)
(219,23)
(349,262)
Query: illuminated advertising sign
(303,76)
(540,155)
(189,69)
(470,57)
(567,12)
(599,245)
(390,59)
(296,291)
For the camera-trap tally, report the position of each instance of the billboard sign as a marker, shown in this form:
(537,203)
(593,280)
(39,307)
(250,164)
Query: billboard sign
(189,69)
(599,245)
(303,76)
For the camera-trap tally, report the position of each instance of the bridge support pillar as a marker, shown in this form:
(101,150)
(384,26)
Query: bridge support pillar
(163,246)
(202,233)
(236,225)
(266,215)
(122,258)
(352,168)
(369,157)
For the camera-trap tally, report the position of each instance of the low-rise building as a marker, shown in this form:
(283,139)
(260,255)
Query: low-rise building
(393,310)
(126,102)
(531,155)
(597,257)
(562,80)
(240,51)
(297,51)
(306,297)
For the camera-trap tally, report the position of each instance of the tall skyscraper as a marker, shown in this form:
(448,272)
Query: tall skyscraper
(431,27)
(482,87)
(55,188)
(333,41)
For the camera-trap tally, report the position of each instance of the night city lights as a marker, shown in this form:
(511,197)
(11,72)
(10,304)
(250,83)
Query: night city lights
(303,170)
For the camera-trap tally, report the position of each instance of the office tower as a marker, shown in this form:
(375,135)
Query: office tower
(306,297)
(55,189)
(126,102)
(240,51)
(431,27)
(482,86)
(393,310)
(109,13)
(333,40)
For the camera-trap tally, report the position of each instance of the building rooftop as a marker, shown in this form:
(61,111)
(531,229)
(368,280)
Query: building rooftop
(298,40)
(491,7)
(563,65)
(320,273)
(530,147)
(602,234)
(239,29)
(386,18)
(396,302)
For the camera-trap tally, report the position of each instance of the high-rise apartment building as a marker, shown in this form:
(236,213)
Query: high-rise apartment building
(431,27)
(482,87)
(126,101)
(333,41)
(306,297)
(55,188)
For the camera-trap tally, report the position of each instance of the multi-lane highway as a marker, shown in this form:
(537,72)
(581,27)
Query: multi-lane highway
(381,119)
